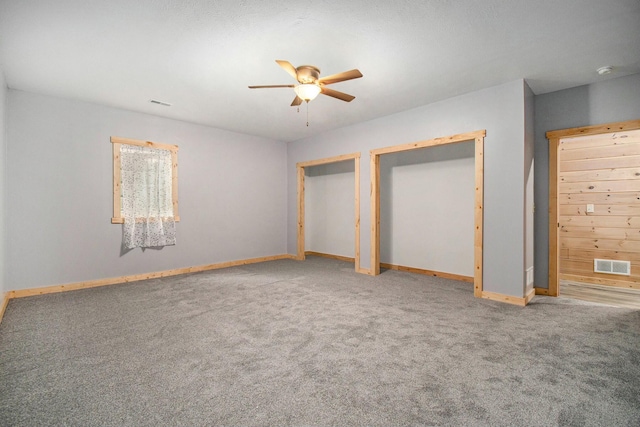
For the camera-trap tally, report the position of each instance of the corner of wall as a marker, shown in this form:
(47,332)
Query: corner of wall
(3,155)
(529,178)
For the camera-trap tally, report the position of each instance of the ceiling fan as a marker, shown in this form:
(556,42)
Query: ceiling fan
(310,84)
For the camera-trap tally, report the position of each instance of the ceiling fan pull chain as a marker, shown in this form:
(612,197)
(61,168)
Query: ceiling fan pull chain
(307,113)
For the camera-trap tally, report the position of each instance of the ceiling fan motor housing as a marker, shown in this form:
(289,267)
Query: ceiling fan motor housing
(310,84)
(308,74)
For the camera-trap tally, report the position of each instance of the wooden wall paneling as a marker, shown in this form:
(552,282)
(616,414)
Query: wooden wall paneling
(611,162)
(601,210)
(602,140)
(600,232)
(585,269)
(607,198)
(600,281)
(601,170)
(600,186)
(600,221)
(586,266)
(601,175)
(590,254)
(601,152)
(600,244)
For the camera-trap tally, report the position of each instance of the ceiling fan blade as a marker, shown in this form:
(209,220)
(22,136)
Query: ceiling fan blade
(288,68)
(335,94)
(296,101)
(340,77)
(270,86)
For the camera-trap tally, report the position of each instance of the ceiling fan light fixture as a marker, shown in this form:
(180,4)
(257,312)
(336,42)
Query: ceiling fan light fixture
(307,91)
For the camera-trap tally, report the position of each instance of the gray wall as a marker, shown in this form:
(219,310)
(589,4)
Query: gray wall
(232,193)
(427,208)
(608,101)
(499,110)
(55,194)
(330,209)
(3,150)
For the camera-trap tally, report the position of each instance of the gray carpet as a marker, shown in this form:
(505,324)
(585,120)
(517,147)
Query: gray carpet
(313,343)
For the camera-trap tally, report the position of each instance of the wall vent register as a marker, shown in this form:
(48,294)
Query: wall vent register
(607,266)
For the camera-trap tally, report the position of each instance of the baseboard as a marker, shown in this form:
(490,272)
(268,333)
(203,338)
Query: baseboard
(3,306)
(134,278)
(599,281)
(529,296)
(339,258)
(393,267)
(426,272)
(522,301)
(542,291)
(330,256)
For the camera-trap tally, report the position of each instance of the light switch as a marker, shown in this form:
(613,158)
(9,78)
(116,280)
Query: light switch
(590,208)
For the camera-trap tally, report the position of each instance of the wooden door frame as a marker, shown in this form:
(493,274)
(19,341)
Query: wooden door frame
(301,192)
(554,138)
(478,137)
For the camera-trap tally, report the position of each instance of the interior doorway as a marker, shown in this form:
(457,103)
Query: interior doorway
(426,211)
(478,138)
(594,214)
(301,167)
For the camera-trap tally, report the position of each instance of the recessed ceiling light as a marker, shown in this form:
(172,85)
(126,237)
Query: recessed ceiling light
(607,69)
(155,101)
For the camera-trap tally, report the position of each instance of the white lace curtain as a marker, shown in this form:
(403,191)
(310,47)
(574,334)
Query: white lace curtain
(147,206)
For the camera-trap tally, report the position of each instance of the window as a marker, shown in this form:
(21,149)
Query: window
(145,191)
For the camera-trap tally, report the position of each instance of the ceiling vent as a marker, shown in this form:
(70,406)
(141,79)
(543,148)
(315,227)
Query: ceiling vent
(155,101)
(607,266)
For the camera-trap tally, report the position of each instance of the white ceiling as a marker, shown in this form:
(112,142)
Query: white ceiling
(200,55)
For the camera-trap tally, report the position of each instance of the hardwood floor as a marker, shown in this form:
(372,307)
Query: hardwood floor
(618,297)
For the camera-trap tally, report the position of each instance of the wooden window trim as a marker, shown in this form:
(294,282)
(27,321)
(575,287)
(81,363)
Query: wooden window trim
(116,143)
